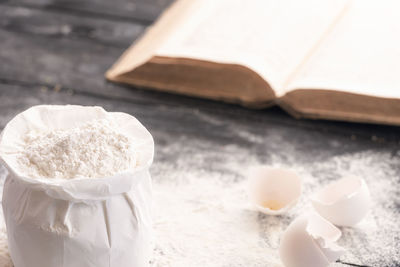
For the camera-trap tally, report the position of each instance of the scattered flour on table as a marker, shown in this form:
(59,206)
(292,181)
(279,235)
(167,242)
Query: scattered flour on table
(207,224)
(202,217)
(94,149)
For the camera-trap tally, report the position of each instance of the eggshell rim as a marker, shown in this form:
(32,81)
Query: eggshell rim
(267,210)
(343,197)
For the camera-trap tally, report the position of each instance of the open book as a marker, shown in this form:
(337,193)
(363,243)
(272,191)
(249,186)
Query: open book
(332,59)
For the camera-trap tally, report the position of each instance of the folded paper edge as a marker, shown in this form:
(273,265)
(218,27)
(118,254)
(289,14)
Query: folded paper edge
(64,188)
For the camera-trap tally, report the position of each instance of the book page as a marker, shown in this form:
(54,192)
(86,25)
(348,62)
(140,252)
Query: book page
(361,55)
(270,37)
(143,49)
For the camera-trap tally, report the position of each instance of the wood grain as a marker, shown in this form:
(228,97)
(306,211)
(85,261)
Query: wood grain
(52,25)
(56,52)
(142,11)
(47,49)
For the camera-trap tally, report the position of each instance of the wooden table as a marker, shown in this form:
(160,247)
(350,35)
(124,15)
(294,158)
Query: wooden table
(56,52)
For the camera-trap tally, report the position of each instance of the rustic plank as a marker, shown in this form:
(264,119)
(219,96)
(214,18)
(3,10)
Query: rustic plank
(27,21)
(139,11)
(215,140)
(37,49)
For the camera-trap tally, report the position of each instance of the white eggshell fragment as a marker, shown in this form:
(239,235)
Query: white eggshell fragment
(274,190)
(309,241)
(344,202)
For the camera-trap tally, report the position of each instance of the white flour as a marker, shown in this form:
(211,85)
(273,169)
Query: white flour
(206,221)
(94,149)
(202,217)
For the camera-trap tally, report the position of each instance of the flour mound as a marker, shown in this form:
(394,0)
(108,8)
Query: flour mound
(94,149)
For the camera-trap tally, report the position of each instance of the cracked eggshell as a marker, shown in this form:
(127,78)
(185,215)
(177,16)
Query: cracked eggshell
(274,190)
(310,241)
(344,202)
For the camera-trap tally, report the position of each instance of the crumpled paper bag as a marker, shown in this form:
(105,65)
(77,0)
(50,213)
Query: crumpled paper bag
(81,222)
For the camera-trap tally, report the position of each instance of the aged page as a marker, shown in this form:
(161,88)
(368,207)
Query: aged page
(270,37)
(361,55)
(143,50)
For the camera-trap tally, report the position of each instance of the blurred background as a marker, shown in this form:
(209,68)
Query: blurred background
(56,52)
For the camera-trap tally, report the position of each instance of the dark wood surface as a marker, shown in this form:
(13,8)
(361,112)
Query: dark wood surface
(56,52)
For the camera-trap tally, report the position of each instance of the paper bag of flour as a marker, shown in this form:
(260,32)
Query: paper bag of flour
(81,222)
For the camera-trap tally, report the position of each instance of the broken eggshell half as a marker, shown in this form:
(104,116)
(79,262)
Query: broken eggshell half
(310,241)
(274,190)
(344,202)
